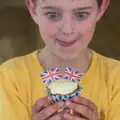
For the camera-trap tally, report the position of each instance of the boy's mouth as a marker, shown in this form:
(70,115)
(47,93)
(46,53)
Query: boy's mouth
(65,44)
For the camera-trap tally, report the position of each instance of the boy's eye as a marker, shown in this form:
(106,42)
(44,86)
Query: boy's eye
(52,15)
(81,15)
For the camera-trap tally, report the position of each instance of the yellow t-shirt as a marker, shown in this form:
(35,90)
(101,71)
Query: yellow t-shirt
(20,86)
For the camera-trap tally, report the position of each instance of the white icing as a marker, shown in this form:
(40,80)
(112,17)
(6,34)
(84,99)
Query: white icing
(62,87)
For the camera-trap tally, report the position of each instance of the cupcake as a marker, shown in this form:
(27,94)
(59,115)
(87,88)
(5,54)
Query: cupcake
(62,87)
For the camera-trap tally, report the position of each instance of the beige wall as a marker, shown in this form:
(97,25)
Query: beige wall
(19,35)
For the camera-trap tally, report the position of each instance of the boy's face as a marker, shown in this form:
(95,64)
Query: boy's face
(66,26)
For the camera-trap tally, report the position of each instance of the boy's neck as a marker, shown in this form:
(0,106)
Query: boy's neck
(49,60)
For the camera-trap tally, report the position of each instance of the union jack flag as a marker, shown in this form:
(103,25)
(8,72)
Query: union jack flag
(73,76)
(49,76)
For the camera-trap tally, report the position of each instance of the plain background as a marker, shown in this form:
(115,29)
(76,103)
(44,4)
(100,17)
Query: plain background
(19,34)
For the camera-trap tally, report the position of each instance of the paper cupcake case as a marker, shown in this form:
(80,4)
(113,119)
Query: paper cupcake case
(57,98)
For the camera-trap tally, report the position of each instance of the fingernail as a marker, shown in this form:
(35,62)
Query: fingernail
(67,103)
(60,104)
(75,98)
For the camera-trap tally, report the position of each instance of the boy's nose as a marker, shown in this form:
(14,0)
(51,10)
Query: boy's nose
(67,27)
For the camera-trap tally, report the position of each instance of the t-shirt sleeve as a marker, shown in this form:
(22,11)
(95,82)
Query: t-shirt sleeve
(12,100)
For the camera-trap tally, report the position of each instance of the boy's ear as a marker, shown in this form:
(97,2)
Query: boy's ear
(105,4)
(31,8)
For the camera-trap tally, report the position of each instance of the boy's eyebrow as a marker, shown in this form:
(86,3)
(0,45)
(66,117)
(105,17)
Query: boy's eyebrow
(83,8)
(56,8)
(50,7)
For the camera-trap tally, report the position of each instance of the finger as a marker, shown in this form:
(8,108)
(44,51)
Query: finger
(95,116)
(58,116)
(49,111)
(40,104)
(85,102)
(84,111)
(72,117)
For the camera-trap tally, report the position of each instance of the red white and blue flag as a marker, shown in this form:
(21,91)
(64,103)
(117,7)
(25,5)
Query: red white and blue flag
(49,76)
(73,76)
